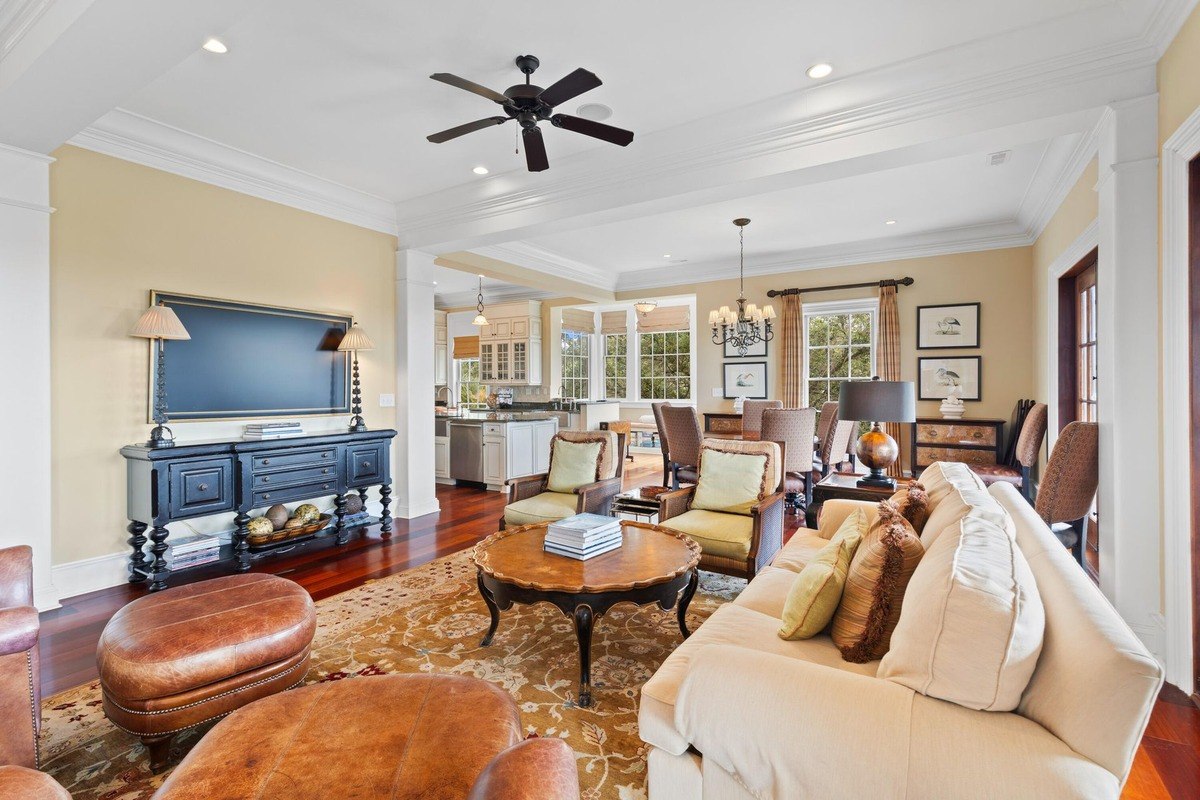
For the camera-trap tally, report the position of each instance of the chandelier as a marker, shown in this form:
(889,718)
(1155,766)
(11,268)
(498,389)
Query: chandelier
(750,324)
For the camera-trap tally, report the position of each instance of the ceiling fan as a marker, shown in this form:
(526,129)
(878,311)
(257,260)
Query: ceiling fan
(529,104)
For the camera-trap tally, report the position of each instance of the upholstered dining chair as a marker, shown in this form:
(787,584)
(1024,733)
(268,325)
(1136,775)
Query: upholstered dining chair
(1068,486)
(794,428)
(585,475)
(834,447)
(20,694)
(657,408)
(1029,444)
(735,510)
(683,437)
(825,420)
(623,427)
(752,414)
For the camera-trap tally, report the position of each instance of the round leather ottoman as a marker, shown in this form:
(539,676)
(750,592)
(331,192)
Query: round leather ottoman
(388,737)
(22,783)
(181,657)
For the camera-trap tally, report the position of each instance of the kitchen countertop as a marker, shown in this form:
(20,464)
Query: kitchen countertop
(502,417)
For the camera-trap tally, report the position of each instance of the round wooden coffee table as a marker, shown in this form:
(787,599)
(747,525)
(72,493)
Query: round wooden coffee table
(653,565)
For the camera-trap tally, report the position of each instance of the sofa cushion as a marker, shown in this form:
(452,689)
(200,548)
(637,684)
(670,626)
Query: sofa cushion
(879,574)
(768,592)
(735,625)
(913,502)
(573,464)
(971,627)
(729,482)
(954,492)
(717,533)
(799,550)
(544,507)
(817,590)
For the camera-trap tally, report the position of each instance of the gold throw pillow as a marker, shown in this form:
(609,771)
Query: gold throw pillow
(817,590)
(913,503)
(879,574)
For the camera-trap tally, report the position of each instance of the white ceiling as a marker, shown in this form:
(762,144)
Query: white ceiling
(456,288)
(343,91)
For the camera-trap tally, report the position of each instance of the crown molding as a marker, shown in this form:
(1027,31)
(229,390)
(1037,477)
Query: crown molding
(17,18)
(1036,218)
(144,141)
(1164,24)
(536,257)
(494,295)
(951,241)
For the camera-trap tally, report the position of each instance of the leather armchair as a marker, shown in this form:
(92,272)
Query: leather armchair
(766,516)
(592,498)
(535,769)
(20,695)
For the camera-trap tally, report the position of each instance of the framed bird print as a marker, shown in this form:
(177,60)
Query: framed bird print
(943,377)
(948,327)
(746,379)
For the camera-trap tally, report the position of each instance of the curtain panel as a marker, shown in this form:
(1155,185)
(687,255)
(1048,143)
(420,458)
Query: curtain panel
(888,362)
(791,334)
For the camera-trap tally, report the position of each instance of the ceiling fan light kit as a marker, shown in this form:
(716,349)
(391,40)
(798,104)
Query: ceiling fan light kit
(749,324)
(530,104)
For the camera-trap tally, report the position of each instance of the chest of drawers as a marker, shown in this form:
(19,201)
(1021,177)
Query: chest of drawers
(966,440)
(202,478)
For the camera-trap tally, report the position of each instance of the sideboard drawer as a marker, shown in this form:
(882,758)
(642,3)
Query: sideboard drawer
(264,463)
(927,455)
(201,487)
(956,433)
(305,491)
(293,476)
(365,463)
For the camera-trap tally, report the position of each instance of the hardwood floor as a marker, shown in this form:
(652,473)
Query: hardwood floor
(1167,763)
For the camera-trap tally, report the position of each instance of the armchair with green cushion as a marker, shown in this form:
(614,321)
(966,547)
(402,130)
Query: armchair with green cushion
(585,475)
(735,510)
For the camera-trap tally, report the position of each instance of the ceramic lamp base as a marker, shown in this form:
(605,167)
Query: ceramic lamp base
(877,451)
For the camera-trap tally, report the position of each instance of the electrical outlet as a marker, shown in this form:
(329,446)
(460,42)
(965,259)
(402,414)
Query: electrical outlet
(716,392)
(387,401)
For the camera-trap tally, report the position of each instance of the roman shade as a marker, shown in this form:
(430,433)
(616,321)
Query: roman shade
(577,320)
(466,347)
(613,322)
(665,318)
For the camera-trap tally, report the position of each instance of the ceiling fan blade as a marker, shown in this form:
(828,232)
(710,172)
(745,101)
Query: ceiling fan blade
(470,86)
(470,127)
(535,150)
(572,85)
(597,130)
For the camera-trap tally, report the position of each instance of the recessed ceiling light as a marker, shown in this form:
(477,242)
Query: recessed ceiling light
(890,222)
(666,255)
(596,112)
(821,70)
(215,46)
(480,170)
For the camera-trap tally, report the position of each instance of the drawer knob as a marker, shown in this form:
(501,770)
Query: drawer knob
(978,434)
(266,497)
(266,461)
(366,465)
(326,486)
(325,472)
(266,479)
(203,487)
(325,455)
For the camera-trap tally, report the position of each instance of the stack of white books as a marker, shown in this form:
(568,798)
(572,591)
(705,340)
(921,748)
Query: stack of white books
(263,431)
(192,550)
(583,536)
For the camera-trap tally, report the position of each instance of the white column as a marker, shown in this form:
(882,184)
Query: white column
(1129,412)
(413,474)
(25,352)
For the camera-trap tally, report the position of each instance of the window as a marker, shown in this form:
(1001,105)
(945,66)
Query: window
(1085,343)
(839,340)
(665,365)
(616,365)
(470,391)
(576,363)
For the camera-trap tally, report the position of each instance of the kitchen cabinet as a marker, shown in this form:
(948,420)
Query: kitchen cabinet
(543,432)
(495,458)
(441,459)
(510,346)
(515,449)
(441,349)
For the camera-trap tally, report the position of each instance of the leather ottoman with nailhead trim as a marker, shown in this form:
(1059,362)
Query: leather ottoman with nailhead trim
(182,657)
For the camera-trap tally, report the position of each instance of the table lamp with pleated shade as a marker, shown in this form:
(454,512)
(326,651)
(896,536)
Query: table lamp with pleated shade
(355,340)
(159,323)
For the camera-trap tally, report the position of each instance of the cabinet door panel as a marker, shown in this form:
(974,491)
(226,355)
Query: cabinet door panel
(520,450)
(543,433)
(493,461)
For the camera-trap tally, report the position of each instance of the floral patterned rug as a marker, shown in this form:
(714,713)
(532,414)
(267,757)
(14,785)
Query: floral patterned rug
(430,619)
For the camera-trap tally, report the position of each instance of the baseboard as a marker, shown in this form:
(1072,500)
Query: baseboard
(46,598)
(90,574)
(406,511)
(1152,635)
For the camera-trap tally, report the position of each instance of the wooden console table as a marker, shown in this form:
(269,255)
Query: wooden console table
(722,422)
(966,440)
(202,478)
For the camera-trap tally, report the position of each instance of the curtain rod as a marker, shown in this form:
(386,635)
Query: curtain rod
(906,281)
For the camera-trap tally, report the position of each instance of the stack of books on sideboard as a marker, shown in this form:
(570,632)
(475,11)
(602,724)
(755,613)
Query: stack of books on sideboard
(583,536)
(265,431)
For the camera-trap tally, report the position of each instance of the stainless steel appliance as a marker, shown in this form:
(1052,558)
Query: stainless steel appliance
(466,451)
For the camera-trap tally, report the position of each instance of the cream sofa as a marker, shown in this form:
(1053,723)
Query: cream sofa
(737,712)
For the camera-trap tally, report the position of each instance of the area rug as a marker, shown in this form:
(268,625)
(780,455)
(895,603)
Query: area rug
(430,619)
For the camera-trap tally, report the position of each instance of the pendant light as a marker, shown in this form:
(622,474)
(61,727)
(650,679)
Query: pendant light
(480,320)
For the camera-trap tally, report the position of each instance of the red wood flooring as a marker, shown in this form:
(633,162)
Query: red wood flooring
(1167,763)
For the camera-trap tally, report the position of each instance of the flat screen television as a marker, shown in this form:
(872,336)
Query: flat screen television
(249,360)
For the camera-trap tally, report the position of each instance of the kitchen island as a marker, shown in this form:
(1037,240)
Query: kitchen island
(493,447)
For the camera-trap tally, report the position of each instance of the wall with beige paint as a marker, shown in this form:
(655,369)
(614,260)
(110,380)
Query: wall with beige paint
(1179,78)
(999,279)
(121,230)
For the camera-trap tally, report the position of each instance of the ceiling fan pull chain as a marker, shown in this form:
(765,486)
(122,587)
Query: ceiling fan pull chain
(516,142)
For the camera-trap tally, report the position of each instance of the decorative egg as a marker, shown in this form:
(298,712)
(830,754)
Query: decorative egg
(295,522)
(278,516)
(308,512)
(260,526)
(354,504)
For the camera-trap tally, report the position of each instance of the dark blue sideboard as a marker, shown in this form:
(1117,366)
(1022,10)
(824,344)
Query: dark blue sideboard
(202,478)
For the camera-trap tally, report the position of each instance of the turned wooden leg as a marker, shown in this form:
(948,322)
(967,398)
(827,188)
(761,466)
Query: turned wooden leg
(681,610)
(160,751)
(137,561)
(362,495)
(385,517)
(340,529)
(493,609)
(158,568)
(583,632)
(241,545)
